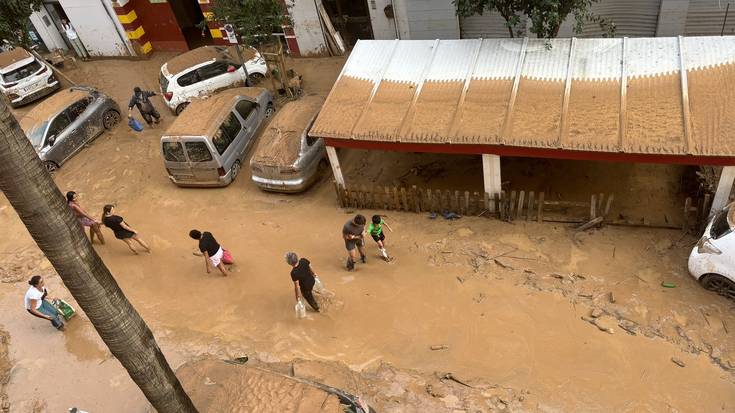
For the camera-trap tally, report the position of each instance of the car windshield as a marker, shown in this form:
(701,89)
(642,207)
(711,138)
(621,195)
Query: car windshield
(21,72)
(35,134)
(720,226)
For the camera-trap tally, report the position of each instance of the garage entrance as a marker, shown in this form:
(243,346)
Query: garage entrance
(192,23)
(351,18)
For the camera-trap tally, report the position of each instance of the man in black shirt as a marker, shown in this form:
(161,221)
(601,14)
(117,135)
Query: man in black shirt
(212,251)
(303,278)
(141,100)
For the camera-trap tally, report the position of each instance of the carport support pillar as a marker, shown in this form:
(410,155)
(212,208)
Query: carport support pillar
(336,169)
(722,196)
(491,173)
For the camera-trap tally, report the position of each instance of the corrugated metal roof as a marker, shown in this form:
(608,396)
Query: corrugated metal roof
(565,94)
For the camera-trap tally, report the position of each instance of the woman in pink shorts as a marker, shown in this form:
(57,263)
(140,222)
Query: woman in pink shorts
(85,220)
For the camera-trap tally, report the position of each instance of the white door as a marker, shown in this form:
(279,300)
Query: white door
(95,27)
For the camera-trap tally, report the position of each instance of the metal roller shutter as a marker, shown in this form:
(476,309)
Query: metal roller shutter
(705,18)
(487,26)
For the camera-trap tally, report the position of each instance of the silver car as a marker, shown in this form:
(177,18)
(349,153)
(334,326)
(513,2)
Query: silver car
(287,159)
(206,145)
(64,123)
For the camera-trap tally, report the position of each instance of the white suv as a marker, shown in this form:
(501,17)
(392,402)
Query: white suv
(25,78)
(204,71)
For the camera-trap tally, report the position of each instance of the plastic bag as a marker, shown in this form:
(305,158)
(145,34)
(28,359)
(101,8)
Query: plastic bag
(135,125)
(64,308)
(318,286)
(300,309)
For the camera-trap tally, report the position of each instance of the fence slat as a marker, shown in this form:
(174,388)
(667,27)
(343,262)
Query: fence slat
(387,198)
(687,207)
(519,210)
(404,199)
(607,206)
(593,206)
(529,212)
(540,215)
(511,207)
(447,200)
(396,199)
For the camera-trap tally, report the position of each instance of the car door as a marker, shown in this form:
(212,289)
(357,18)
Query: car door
(248,113)
(219,75)
(229,141)
(203,164)
(82,129)
(56,146)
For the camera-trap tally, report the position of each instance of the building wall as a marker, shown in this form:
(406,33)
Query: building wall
(150,26)
(429,19)
(48,32)
(307,28)
(383,27)
(96,28)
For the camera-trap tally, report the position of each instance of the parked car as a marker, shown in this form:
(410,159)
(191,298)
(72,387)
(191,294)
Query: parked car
(287,159)
(206,145)
(205,71)
(24,77)
(63,124)
(712,260)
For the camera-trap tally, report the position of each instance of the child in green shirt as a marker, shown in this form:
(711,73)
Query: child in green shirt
(375,229)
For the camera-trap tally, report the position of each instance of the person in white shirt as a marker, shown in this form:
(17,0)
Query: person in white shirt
(36,304)
(73,37)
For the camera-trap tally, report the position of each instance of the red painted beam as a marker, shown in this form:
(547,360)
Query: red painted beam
(532,152)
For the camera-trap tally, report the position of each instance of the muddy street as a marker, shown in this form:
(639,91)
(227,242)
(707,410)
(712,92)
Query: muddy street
(532,317)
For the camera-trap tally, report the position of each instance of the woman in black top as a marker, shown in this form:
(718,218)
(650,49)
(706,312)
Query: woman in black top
(122,231)
(303,278)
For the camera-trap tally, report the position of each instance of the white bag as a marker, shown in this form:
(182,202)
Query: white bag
(318,286)
(300,308)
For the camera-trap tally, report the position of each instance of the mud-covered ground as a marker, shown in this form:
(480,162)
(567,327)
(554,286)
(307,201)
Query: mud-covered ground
(521,316)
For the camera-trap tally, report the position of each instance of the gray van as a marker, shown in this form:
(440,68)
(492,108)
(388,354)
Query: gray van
(206,144)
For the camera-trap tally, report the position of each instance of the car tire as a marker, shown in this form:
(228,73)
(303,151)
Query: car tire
(719,284)
(235,170)
(110,118)
(255,78)
(181,108)
(51,166)
(269,110)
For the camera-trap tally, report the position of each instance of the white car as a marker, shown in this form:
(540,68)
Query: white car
(712,261)
(24,77)
(204,71)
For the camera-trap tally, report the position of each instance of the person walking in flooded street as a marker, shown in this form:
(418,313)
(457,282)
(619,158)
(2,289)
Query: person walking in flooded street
(36,304)
(213,253)
(121,229)
(303,278)
(85,220)
(141,100)
(353,235)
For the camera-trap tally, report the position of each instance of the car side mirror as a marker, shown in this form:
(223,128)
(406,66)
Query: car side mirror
(51,140)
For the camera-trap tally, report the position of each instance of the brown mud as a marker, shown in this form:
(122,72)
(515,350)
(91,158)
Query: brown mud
(653,115)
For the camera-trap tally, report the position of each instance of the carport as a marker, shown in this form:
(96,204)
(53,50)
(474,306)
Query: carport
(648,100)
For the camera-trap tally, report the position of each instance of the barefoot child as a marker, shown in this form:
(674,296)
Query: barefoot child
(375,229)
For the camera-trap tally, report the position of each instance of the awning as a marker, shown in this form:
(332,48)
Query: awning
(673,97)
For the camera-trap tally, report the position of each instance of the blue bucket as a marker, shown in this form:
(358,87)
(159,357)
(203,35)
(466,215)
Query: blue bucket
(135,125)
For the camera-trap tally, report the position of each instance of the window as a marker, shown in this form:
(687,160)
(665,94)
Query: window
(173,152)
(198,152)
(58,125)
(720,226)
(163,81)
(211,70)
(189,78)
(226,133)
(244,108)
(22,72)
(77,108)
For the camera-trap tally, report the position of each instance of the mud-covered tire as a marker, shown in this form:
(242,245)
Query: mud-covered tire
(718,284)
(270,110)
(255,78)
(235,170)
(110,118)
(181,108)
(51,166)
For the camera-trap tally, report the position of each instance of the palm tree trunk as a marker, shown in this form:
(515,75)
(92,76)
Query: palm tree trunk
(41,207)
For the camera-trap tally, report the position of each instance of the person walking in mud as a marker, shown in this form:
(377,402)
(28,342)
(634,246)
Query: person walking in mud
(141,100)
(375,229)
(353,235)
(213,253)
(85,220)
(121,229)
(36,304)
(303,278)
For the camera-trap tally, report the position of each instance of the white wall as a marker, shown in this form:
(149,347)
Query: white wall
(49,33)
(383,27)
(307,28)
(95,27)
(430,19)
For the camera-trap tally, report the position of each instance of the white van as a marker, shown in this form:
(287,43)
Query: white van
(712,260)
(24,77)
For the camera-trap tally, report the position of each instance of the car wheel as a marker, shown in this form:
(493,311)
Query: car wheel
(719,284)
(51,166)
(110,118)
(181,108)
(256,78)
(269,110)
(235,170)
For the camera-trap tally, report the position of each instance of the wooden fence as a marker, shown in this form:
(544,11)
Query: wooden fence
(508,206)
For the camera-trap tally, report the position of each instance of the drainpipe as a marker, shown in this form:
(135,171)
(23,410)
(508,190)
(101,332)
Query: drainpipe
(395,20)
(118,28)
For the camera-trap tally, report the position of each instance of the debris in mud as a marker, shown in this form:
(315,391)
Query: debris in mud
(603,324)
(439,347)
(678,362)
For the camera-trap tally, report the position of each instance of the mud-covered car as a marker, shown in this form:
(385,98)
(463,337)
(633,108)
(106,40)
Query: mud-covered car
(63,124)
(24,77)
(712,260)
(287,158)
(204,71)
